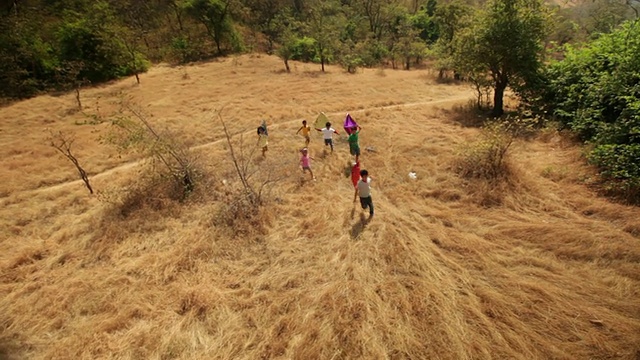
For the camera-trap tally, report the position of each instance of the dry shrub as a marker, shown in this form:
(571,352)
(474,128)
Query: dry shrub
(152,190)
(171,158)
(241,215)
(487,158)
(247,200)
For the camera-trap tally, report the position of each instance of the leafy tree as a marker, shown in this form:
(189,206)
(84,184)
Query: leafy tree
(505,43)
(596,91)
(82,40)
(27,60)
(450,19)
(324,27)
(270,17)
(424,21)
(404,40)
(215,15)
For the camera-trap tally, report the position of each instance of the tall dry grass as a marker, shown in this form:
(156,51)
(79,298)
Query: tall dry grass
(550,271)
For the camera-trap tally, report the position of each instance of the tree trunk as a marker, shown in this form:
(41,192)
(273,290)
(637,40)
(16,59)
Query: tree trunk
(322,62)
(286,65)
(498,98)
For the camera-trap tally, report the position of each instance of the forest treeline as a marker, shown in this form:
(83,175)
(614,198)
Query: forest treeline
(57,44)
(575,61)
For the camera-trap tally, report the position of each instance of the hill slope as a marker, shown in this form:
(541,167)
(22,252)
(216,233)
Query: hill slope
(448,269)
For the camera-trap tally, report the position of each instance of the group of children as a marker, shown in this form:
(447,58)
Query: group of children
(360,178)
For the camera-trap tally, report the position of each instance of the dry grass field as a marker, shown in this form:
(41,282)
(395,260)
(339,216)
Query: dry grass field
(536,267)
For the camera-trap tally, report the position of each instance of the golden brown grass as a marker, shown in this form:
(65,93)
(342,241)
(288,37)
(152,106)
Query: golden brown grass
(546,270)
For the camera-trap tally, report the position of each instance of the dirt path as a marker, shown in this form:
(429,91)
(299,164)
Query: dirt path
(131,165)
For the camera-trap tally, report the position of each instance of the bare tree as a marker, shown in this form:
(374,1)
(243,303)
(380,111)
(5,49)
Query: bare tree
(175,158)
(62,143)
(256,180)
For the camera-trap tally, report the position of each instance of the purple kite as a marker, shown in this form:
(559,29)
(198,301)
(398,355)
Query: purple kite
(350,124)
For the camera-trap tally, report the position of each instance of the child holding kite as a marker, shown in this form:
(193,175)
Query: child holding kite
(363,189)
(305,162)
(327,134)
(306,131)
(263,138)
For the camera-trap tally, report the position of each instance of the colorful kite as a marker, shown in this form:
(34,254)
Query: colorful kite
(350,125)
(321,121)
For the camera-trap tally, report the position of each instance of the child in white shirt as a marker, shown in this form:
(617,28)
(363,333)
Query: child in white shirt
(327,134)
(363,189)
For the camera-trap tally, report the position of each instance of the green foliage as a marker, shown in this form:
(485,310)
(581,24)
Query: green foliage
(595,90)
(350,56)
(215,15)
(619,162)
(304,49)
(93,42)
(450,20)
(27,61)
(424,22)
(72,46)
(505,43)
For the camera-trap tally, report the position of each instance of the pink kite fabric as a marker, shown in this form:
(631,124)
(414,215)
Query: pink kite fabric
(355,174)
(350,124)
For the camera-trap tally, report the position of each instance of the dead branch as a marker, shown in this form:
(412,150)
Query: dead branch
(62,143)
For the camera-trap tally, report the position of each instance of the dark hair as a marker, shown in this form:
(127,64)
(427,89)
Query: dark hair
(260,130)
(304,122)
(364,173)
(328,124)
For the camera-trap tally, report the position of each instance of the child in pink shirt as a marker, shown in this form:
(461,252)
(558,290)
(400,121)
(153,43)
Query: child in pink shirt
(305,162)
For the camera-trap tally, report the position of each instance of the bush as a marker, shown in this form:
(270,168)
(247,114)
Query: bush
(304,49)
(620,168)
(594,91)
(172,161)
(488,157)
(103,56)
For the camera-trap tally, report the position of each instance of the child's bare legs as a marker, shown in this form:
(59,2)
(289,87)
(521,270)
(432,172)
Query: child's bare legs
(310,172)
(307,140)
(264,151)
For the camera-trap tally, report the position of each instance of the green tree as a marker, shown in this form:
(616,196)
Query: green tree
(27,59)
(215,15)
(424,21)
(270,17)
(595,90)
(505,43)
(324,27)
(450,20)
(94,43)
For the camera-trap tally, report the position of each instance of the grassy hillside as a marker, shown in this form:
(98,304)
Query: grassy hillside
(537,267)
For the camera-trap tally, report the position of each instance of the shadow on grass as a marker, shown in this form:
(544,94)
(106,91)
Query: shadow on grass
(359,226)
(468,115)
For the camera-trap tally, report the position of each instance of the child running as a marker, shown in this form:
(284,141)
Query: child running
(306,131)
(263,140)
(305,162)
(363,189)
(354,147)
(327,134)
